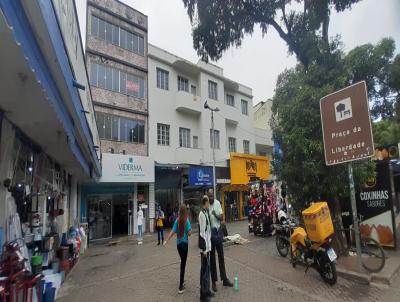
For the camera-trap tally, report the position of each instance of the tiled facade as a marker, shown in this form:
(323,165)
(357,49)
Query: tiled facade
(110,55)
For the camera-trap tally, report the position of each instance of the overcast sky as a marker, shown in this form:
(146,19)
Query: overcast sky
(258,61)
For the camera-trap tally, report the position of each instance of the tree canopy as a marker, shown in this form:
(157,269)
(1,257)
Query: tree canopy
(376,65)
(297,125)
(302,24)
(323,68)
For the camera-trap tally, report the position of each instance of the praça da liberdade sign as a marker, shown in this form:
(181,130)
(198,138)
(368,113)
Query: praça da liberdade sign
(346,125)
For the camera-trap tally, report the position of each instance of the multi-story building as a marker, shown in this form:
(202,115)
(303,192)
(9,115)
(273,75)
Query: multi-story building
(48,133)
(262,117)
(181,137)
(116,56)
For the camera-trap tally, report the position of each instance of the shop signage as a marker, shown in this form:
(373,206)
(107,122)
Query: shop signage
(246,168)
(375,204)
(200,176)
(126,168)
(346,125)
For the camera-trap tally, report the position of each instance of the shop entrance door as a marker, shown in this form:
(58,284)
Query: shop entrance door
(99,216)
(120,215)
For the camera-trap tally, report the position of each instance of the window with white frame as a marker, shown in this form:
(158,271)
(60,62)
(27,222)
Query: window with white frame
(118,36)
(245,109)
(163,134)
(193,89)
(230,100)
(246,146)
(183,84)
(195,142)
(162,79)
(184,137)
(214,139)
(232,144)
(212,90)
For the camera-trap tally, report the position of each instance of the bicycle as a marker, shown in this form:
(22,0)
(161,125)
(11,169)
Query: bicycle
(372,254)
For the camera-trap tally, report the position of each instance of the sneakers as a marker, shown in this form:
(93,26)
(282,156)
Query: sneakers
(214,287)
(227,283)
(181,289)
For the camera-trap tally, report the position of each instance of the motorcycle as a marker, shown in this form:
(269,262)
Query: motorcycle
(283,231)
(318,255)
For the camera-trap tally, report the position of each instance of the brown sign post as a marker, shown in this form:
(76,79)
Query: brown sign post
(347,134)
(346,125)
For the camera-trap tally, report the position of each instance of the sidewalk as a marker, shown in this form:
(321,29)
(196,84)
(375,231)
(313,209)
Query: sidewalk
(347,267)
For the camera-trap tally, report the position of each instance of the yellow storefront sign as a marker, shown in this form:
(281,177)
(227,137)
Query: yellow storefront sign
(246,167)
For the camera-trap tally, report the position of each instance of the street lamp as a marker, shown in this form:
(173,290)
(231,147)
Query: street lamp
(216,109)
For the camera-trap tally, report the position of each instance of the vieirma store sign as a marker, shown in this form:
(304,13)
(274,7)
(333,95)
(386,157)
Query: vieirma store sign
(200,176)
(126,168)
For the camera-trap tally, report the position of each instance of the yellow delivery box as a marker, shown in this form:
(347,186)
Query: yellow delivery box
(318,221)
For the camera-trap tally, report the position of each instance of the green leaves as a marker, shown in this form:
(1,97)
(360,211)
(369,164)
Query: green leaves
(220,24)
(297,128)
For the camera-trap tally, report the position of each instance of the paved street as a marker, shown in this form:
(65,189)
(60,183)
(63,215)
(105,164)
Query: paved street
(128,272)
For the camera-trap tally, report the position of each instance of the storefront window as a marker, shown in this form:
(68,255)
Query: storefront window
(99,216)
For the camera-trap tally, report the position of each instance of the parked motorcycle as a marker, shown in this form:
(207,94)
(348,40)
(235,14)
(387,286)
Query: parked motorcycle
(313,247)
(283,231)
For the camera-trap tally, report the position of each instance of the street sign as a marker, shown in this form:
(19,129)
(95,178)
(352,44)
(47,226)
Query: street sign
(346,125)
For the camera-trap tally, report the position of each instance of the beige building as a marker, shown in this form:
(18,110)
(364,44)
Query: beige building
(262,114)
(116,58)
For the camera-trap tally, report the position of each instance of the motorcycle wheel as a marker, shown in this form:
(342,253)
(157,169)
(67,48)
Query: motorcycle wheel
(282,246)
(327,270)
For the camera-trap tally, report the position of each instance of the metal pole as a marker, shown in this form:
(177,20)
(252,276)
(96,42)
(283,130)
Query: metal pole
(355,215)
(213,151)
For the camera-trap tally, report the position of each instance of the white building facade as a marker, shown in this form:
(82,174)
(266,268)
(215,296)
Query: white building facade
(180,126)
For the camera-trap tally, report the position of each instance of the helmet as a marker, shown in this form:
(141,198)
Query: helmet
(281,216)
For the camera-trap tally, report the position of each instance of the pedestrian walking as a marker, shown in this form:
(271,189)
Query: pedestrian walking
(217,237)
(160,225)
(140,225)
(205,248)
(183,230)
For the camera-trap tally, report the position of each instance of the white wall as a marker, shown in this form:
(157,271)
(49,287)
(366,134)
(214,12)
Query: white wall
(162,109)
(7,205)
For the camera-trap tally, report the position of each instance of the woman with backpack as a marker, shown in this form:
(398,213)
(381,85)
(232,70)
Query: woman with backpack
(183,230)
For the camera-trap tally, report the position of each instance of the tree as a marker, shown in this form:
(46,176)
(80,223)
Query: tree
(297,127)
(302,24)
(394,82)
(378,67)
(386,133)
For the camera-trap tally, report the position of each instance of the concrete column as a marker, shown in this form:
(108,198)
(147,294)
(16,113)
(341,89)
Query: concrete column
(7,137)
(135,208)
(73,218)
(151,207)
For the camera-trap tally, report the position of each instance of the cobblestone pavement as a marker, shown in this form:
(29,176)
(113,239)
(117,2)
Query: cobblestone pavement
(128,272)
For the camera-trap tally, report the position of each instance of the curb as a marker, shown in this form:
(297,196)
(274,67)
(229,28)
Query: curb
(376,278)
(354,276)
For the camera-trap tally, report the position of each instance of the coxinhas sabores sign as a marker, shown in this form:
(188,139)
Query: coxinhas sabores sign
(127,168)
(346,125)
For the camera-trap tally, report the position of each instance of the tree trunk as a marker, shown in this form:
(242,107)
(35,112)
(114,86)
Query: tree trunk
(339,242)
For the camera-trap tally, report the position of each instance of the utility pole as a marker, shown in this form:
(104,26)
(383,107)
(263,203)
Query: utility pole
(206,106)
